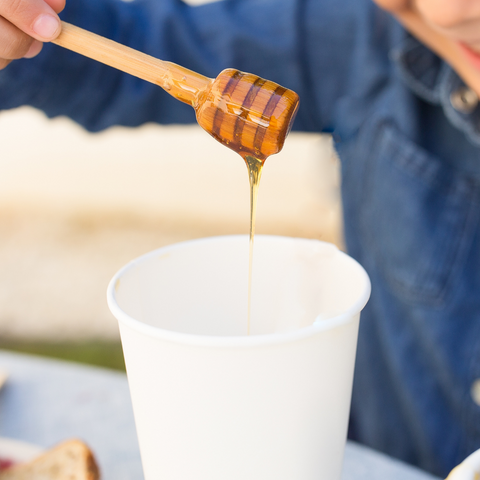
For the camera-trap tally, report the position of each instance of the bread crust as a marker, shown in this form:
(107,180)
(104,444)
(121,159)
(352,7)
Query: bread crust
(69,460)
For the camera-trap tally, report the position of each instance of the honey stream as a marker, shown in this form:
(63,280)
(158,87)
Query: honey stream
(255,167)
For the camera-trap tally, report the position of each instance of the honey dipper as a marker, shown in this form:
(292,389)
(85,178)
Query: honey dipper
(248,114)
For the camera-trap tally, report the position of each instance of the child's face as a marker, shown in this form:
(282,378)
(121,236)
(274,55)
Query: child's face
(450,27)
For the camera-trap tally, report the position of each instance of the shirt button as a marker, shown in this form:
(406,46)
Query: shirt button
(464,100)
(475,391)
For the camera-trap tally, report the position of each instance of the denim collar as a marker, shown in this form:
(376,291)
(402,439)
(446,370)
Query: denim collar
(433,80)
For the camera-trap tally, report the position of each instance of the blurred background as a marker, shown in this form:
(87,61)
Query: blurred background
(75,207)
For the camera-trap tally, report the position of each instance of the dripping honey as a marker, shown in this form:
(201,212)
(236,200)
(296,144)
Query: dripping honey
(252,117)
(244,112)
(255,167)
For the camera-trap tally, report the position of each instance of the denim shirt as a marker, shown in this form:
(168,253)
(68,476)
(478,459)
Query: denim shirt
(410,179)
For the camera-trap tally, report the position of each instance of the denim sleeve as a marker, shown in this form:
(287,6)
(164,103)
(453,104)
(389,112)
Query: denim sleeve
(305,45)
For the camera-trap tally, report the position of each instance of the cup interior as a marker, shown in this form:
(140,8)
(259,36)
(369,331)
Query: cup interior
(201,287)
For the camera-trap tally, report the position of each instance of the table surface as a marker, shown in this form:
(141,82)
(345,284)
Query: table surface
(45,401)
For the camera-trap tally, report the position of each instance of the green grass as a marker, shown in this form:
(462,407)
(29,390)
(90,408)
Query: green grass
(100,353)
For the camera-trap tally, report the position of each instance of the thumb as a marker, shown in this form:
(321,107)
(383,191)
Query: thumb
(34,17)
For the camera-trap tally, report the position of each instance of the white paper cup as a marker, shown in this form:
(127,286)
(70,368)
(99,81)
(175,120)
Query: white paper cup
(212,403)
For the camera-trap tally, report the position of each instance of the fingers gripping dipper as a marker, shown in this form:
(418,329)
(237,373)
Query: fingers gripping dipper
(243,111)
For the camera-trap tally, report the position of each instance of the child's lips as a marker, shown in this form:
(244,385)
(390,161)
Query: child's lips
(471,55)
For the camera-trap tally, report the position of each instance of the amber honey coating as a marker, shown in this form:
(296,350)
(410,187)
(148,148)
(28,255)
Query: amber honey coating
(248,114)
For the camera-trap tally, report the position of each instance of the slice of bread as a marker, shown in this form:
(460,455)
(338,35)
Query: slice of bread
(70,460)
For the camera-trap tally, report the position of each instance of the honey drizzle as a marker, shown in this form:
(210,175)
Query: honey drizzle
(255,167)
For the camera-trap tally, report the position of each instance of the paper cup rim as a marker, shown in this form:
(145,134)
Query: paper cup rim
(241,341)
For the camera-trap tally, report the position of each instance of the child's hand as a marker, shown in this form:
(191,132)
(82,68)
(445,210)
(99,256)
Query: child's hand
(25,25)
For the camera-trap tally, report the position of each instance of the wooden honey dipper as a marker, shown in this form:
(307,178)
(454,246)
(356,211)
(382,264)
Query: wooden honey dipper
(248,114)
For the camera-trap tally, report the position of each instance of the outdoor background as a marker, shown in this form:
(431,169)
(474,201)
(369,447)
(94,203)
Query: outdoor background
(75,207)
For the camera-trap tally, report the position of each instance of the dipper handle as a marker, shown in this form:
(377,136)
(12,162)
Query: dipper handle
(183,84)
